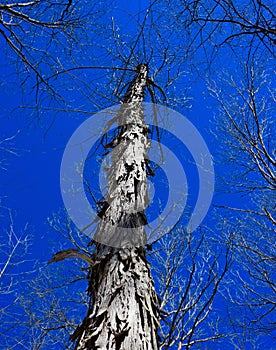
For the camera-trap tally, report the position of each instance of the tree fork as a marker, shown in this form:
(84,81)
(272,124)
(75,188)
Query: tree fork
(124,305)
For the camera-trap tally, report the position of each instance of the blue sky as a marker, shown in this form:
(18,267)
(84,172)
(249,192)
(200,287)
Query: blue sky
(37,128)
(31,181)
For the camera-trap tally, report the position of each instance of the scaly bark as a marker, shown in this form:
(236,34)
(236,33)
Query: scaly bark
(123,313)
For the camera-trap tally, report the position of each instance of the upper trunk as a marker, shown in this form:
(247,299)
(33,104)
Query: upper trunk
(123,313)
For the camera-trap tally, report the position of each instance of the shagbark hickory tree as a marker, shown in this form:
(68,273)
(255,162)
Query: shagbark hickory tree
(124,310)
(124,305)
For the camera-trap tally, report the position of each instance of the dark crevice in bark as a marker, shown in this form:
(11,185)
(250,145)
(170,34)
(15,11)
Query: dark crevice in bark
(120,336)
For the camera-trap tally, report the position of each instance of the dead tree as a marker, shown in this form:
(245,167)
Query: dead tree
(124,305)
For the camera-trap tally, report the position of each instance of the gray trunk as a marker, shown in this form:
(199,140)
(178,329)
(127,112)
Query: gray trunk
(123,313)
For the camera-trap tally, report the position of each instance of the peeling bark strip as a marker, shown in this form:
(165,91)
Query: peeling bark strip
(123,313)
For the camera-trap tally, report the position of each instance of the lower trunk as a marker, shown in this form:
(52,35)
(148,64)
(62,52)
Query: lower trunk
(124,304)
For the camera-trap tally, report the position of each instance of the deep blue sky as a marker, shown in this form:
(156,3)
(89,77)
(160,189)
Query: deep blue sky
(30,184)
(30,170)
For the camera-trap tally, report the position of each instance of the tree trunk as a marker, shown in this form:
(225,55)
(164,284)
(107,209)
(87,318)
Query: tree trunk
(124,305)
